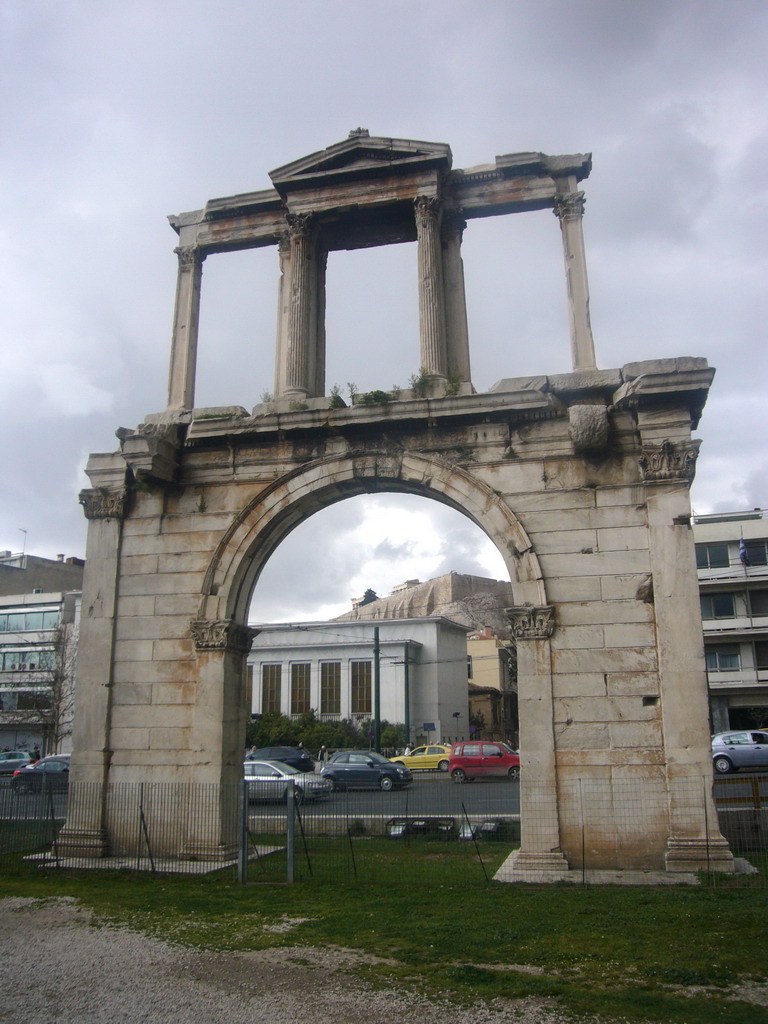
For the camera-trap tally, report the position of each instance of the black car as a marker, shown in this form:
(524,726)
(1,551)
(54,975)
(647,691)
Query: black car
(51,774)
(296,757)
(365,769)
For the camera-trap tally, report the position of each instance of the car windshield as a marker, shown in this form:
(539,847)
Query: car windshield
(378,758)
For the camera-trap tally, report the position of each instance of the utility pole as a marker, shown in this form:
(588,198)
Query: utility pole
(376,691)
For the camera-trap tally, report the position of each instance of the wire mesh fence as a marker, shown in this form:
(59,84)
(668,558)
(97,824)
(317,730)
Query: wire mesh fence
(430,832)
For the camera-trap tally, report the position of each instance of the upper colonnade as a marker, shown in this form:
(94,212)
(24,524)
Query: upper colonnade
(366,192)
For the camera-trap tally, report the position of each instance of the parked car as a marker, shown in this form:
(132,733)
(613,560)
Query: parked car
(51,773)
(734,750)
(478,759)
(269,780)
(12,760)
(365,769)
(297,757)
(433,757)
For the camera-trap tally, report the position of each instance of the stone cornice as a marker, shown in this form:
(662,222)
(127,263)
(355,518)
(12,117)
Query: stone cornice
(99,503)
(672,461)
(222,635)
(532,623)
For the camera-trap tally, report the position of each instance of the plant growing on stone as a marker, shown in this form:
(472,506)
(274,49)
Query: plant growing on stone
(419,383)
(337,402)
(373,398)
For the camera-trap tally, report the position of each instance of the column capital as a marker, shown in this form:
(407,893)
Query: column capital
(99,503)
(300,224)
(222,635)
(190,256)
(427,206)
(454,222)
(569,205)
(672,461)
(532,623)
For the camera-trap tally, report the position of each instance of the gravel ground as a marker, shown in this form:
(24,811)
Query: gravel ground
(59,967)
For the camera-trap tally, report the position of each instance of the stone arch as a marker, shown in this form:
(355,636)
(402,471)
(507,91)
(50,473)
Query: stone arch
(271,515)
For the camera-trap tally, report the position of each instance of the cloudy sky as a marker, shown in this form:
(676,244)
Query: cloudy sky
(116,114)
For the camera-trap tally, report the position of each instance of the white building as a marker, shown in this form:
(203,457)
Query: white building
(39,619)
(329,667)
(732,560)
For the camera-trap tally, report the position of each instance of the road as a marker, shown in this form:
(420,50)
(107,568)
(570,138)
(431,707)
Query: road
(432,793)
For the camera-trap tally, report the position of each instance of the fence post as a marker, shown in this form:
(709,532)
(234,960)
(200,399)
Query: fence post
(242,850)
(290,829)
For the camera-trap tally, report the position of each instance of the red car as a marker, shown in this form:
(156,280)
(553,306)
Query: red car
(483,759)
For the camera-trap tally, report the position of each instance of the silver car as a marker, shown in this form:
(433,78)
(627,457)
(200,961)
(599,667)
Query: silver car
(734,750)
(12,760)
(270,780)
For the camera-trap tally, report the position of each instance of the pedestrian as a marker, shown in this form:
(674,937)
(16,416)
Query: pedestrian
(407,751)
(36,753)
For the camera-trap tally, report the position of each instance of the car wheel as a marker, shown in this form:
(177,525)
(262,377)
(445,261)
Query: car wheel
(385,783)
(459,775)
(514,772)
(442,766)
(723,765)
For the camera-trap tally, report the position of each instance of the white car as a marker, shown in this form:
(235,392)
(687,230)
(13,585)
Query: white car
(269,780)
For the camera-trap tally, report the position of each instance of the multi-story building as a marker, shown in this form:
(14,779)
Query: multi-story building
(39,617)
(732,560)
(328,667)
(492,671)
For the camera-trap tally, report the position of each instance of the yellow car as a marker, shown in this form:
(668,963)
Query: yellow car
(433,758)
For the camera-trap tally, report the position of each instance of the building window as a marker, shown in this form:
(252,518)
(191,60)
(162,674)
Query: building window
(300,688)
(758,602)
(712,556)
(270,689)
(761,654)
(756,552)
(330,688)
(361,687)
(23,622)
(717,606)
(723,658)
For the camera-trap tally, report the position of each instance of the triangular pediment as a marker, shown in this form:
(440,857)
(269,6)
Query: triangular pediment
(361,155)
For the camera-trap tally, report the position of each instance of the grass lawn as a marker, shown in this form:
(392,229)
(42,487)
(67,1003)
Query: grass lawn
(637,954)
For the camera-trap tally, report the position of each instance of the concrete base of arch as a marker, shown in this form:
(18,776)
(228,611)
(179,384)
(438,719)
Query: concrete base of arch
(582,482)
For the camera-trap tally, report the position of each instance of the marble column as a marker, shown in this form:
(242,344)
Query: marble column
(186,319)
(569,209)
(456,330)
(221,649)
(298,382)
(667,466)
(84,833)
(283,307)
(540,857)
(433,358)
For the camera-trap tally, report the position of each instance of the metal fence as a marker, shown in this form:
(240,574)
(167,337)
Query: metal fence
(432,832)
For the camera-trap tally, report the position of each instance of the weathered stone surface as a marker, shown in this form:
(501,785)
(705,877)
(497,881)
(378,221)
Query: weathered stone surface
(586,501)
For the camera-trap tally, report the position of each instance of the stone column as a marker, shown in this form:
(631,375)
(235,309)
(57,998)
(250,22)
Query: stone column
(219,720)
(84,833)
(539,857)
(569,209)
(283,307)
(318,333)
(695,842)
(456,330)
(431,299)
(186,318)
(298,363)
